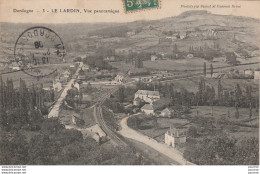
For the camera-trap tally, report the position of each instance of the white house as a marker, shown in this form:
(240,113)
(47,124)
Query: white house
(249,73)
(148,109)
(120,78)
(190,56)
(76,85)
(147,96)
(57,86)
(257,75)
(153,58)
(85,67)
(174,137)
(14,66)
(166,112)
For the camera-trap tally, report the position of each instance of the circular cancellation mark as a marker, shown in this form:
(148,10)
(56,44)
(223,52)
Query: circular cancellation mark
(38,51)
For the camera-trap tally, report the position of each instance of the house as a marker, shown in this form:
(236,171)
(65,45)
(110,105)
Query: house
(167,112)
(165,40)
(72,66)
(249,73)
(65,76)
(154,58)
(85,67)
(175,137)
(120,78)
(190,56)
(110,58)
(147,96)
(218,75)
(96,129)
(148,109)
(82,75)
(57,86)
(130,33)
(14,66)
(257,75)
(162,103)
(183,34)
(76,85)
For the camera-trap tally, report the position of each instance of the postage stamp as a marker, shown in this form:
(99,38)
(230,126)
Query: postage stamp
(134,5)
(38,50)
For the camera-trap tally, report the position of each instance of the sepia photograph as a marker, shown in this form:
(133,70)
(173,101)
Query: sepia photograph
(177,89)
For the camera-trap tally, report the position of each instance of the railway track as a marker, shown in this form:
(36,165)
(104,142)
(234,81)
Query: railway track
(112,135)
(98,114)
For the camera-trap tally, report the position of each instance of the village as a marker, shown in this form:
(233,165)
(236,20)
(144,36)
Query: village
(152,93)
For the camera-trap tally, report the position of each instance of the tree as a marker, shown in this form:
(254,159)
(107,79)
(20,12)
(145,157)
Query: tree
(138,62)
(175,48)
(121,95)
(211,69)
(237,112)
(204,69)
(220,91)
(238,94)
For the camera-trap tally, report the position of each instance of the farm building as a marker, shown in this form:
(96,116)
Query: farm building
(147,96)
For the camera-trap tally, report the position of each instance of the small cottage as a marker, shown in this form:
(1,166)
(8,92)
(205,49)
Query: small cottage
(175,136)
(148,109)
(167,112)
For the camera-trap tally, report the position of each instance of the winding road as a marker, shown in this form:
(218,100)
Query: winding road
(162,148)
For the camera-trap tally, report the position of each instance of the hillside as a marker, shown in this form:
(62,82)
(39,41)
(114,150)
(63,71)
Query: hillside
(197,29)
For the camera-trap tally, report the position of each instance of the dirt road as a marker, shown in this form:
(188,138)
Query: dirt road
(162,148)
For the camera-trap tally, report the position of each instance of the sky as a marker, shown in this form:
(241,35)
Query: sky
(167,8)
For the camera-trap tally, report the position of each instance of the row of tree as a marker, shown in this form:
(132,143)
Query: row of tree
(96,62)
(205,95)
(22,105)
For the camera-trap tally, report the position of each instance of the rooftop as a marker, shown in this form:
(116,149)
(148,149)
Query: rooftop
(147,92)
(147,107)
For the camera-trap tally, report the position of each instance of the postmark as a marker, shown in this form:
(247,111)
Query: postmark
(38,50)
(135,5)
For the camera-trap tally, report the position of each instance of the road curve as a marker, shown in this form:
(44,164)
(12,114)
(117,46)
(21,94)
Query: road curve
(162,148)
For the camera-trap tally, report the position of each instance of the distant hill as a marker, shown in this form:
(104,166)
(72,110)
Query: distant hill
(190,29)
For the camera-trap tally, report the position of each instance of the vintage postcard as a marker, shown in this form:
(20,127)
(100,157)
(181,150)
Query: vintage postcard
(129,82)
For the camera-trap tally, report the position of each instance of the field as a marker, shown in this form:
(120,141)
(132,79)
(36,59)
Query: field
(46,81)
(196,64)
(223,121)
